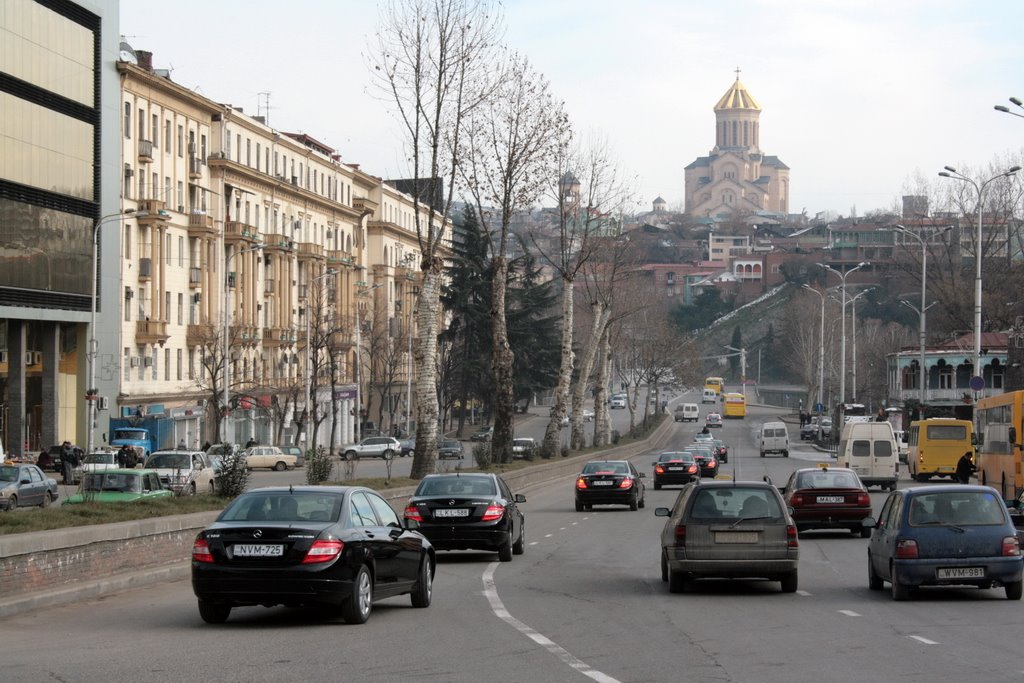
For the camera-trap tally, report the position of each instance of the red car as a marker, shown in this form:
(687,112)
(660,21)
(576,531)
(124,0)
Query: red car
(828,498)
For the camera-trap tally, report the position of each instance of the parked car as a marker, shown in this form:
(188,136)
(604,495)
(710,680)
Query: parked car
(944,535)
(828,498)
(297,451)
(522,448)
(609,482)
(809,432)
(58,464)
(449,449)
(713,420)
(99,461)
(474,511)
(385,447)
(300,546)
(184,472)
(223,449)
(727,529)
(25,485)
(674,468)
(407,446)
(120,486)
(482,434)
(617,401)
(270,457)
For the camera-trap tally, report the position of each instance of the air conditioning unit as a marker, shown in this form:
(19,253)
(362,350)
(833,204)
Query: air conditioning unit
(181,209)
(128,293)
(201,403)
(231,279)
(196,298)
(128,172)
(104,404)
(147,362)
(135,361)
(33,358)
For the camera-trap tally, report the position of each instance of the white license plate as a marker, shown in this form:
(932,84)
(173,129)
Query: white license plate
(451,512)
(831,499)
(602,483)
(960,573)
(676,469)
(258,550)
(735,537)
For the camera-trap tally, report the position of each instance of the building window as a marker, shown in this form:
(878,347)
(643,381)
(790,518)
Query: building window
(191,363)
(248,152)
(142,124)
(181,254)
(167,136)
(128,120)
(238,147)
(179,365)
(257,156)
(181,141)
(127,364)
(181,194)
(155,363)
(167,250)
(181,308)
(946,377)
(202,148)
(127,305)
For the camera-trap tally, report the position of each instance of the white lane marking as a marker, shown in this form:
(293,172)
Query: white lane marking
(924,640)
(548,535)
(562,528)
(575,523)
(534,542)
(849,612)
(804,593)
(498,607)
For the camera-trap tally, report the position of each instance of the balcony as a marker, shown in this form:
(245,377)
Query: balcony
(340,258)
(201,224)
(145,152)
(309,251)
(145,269)
(343,340)
(246,335)
(234,231)
(152,212)
(276,336)
(274,242)
(151,332)
(195,168)
(195,277)
(200,335)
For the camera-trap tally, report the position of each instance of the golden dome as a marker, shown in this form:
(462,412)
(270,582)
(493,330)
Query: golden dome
(737,97)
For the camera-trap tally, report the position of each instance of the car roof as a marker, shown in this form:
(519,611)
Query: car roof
(723,483)
(603,461)
(826,469)
(309,489)
(469,475)
(950,488)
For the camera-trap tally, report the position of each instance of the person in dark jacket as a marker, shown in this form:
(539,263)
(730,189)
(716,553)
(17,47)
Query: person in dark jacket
(965,468)
(68,461)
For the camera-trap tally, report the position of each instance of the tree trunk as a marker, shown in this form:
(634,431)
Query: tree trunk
(428,308)
(602,424)
(501,363)
(600,321)
(558,410)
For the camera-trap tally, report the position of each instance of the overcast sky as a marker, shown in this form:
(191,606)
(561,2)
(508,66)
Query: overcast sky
(858,97)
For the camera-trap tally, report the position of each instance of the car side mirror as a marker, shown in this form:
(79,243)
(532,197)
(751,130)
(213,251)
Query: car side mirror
(643,475)
(26,480)
(662,512)
(869,523)
(520,498)
(782,489)
(767,479)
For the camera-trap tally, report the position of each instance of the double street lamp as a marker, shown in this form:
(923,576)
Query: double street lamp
(951,172)
(842,343)
(821,351)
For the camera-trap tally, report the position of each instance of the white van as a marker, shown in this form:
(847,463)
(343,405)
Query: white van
(774,439)
(710,396)
(687,412)
(870,450)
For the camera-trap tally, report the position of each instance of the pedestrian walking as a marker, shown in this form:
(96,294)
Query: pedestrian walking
(965,468)
(68,462)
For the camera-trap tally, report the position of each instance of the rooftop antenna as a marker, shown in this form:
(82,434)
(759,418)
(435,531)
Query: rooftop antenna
(263,105)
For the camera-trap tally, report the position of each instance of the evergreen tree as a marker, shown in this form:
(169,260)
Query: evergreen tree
(736,343)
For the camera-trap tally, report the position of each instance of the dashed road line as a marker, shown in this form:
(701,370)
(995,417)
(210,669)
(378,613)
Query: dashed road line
(534,542)
(806,594)
(849,613)
(924,640)
(548,535)
(498,607)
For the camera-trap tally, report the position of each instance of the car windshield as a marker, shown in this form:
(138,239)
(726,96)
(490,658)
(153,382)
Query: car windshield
(735,503)
(131,435)
(606,468)
(284,506)
(456,486)
(179,461)
(8,474)
(827,480)
(955,508)
(119,483)
(682,457)
(99,459)
(449,443)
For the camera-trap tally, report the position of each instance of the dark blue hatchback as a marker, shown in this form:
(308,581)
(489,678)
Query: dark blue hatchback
(944,535)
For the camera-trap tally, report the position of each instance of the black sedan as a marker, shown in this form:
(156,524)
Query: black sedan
(469,512)
(335,546)
(449,449)
(673,468)
(609,482)
(706,459)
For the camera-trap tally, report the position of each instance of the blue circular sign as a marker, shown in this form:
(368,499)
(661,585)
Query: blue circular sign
(977,383)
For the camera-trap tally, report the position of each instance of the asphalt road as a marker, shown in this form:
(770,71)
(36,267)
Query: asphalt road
(584,603)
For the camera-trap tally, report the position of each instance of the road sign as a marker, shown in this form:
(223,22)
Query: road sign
(977,383)
(819,407)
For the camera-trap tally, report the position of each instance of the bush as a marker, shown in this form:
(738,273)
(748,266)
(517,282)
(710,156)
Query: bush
(234,475)
(615,436)
(318,465)
(565,451)
(482,454)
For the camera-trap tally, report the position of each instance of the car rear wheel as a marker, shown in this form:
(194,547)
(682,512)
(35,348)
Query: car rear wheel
(579,506)
(677,582)
(664,567)
(356,609)
(190,490)
(505,551)
(519,547)
(790,582)
(874,580)
(47,499)
(635,503)
(900,591)
(280,467)
(1014,590)
(657,486)
(12,502)
(388,454)
(349,455)
(423,591)
(865,532)
(214,612)
(762,454)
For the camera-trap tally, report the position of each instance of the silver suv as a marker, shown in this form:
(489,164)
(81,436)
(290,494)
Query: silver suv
(385,447)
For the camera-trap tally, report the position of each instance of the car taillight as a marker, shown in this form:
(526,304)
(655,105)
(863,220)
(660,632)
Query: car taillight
(659,469)
(323,551)
(693,469)
(796,500)
(920,456)
(681,534)
(711,463)
(201,551)
(412,512)
(493,512)
(626,483)
(791,538)
(581,483)
(863,499)
(906,549)
(1011,546)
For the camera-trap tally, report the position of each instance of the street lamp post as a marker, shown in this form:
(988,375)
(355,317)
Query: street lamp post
(821,352)
(853,321)
(227,342)
(951,172)
(1006,110)
(842,336)
(310,350)
(91,394)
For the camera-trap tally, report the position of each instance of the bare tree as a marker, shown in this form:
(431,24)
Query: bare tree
(511,149)
(429,57)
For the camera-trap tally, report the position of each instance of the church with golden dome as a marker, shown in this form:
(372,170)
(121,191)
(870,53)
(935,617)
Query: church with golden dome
(736,176)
